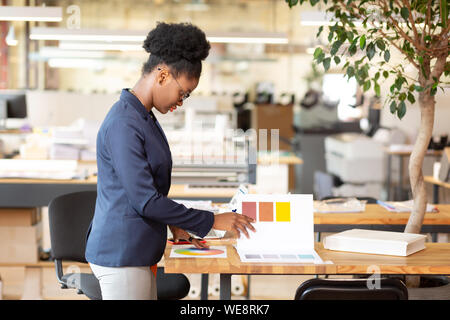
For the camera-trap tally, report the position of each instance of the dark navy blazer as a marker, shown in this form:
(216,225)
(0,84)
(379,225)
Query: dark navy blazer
(132,211)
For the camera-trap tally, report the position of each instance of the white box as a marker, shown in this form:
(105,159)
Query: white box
(376,242)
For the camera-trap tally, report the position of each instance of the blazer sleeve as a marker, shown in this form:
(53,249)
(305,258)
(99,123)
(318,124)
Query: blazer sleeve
(126,145)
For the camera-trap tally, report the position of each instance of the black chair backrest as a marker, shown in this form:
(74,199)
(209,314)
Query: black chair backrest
(369,200)
(69,217)
(351,289)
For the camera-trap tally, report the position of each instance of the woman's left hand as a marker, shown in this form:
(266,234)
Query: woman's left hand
(179,233)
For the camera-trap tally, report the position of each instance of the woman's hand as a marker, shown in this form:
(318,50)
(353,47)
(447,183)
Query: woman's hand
(234,222)
(179,233)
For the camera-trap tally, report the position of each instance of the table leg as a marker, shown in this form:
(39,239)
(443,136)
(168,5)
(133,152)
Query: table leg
(434,237)
(388,178)
(204,286)
(400,179)
(248,288)
(32,284)
(225,286)
(435,194)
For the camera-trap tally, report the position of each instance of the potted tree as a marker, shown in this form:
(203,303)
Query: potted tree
(361,36)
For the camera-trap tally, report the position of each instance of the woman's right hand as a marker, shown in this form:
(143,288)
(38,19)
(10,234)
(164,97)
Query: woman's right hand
(235,222)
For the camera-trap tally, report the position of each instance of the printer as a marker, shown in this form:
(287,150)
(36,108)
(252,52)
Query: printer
(357,160)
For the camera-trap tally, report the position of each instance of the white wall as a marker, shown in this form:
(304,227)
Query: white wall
(411,121)
(60,108)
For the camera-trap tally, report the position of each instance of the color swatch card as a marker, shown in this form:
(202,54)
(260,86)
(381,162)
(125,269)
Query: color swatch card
(189,251)
(284,229)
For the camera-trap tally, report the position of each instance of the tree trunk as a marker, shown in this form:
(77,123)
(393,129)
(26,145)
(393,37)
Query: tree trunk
(427,104)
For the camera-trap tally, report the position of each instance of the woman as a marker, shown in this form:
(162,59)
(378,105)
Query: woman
(128,234)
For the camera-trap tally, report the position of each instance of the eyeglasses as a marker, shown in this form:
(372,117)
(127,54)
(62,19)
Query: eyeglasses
(184,95)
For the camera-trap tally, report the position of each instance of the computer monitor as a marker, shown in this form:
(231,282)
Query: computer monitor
(12,105)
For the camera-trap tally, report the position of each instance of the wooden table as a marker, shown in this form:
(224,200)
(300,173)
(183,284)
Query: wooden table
(436,184)
(435,259)
(378,218)
(375,218)
(401,155)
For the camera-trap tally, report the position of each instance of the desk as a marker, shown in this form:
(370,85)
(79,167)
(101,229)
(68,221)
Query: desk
(27,193)
(374,218)
(435,259)
(23,193)
(436,184)
(401,155)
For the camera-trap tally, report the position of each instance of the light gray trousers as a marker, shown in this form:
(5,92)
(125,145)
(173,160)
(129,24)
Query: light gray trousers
(125,283)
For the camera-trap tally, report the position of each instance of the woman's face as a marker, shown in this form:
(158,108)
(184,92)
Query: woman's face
(170,91)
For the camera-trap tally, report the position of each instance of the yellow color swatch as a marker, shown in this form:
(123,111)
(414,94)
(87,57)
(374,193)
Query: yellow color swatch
(283,211)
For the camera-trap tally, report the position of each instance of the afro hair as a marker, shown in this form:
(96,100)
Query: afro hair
(182,46)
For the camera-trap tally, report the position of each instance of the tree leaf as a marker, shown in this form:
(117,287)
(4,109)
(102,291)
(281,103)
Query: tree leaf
(335,47)
(317,52)
(387,56)
(393,107)
(320,57)
(401,110)
(377,89)
(380,44)
(385,74)
(418,88)
(362,42)
(350,72)
(366,85)
(370,50)
(337,60)
(377,75)
(326,63)
(411,97)
(320,31)
(404,12)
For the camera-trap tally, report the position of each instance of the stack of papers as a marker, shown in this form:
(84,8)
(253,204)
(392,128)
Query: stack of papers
(401,147)
(403,206)
(38,169)
(340,205)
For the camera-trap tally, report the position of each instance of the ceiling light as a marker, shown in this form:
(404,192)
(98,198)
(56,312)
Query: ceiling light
(100,46)
(53,52)
(240,37)
(44,33)
(10,13)
(114,36)
(75,63)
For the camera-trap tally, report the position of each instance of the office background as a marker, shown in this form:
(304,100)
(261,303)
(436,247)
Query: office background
(266,81)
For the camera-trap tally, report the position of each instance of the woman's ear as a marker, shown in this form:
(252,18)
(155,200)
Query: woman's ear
(162,76)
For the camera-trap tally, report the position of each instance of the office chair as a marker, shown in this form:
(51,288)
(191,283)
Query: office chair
(351,289)
(69,219)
